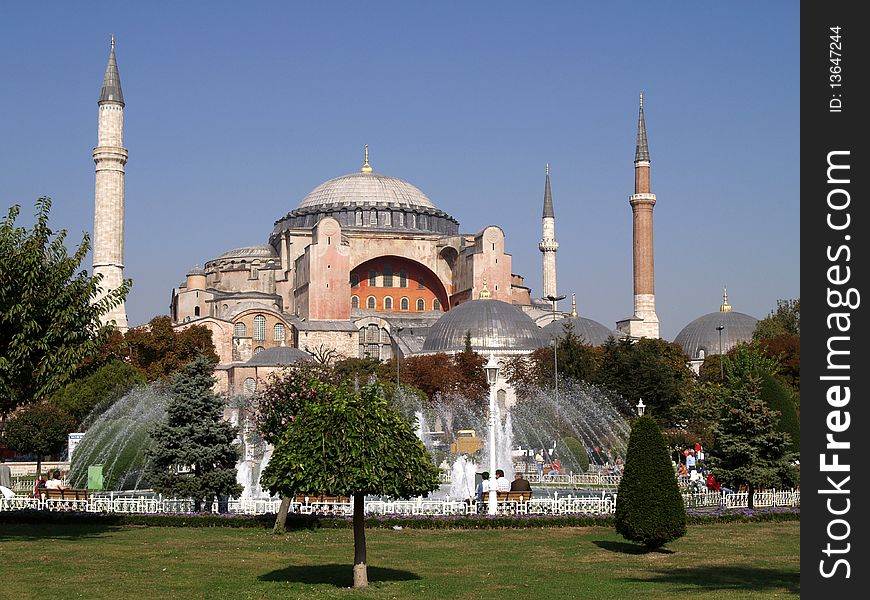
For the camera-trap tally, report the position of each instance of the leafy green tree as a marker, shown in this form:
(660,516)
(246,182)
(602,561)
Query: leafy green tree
(649,507)
(49,310)
(39,429)
(780,399)
(349,444)
(193,455)
(650,369)
(699,412)
(96,392)
(785,319)
(158,350)
(750,449)
(575,454)
(787,350)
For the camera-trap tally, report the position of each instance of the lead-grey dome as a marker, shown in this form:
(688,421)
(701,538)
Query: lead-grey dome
(259,251)
(592,332)
(702,335)
(278,356)
(366,189)
(495,326)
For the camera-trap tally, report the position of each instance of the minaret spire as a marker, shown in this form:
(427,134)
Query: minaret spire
(548,245)
(366,168)
(110,158)
(574,305)
(644,322)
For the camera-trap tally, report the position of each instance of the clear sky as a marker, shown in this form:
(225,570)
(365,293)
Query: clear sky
(235,111)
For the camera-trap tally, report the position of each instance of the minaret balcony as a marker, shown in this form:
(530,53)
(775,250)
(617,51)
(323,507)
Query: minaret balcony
(548,245)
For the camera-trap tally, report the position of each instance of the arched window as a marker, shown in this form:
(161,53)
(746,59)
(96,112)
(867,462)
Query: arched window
(403,279)
(436,304)
(701,354)
(388,303)
(354,301)
(388,219)
(354,280)
(373,217)
(259,327)
(370,302)
(358,217)
(279,332)
(388,276)
(401,219)
(195,311)
(405,304)
(421,304)
(239,330)
(250,385)
(373,278)
(258,349)
(413,221)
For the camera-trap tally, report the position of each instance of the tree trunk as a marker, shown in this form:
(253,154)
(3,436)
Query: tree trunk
(38,466)
(360,573)
(751,489)
(281,517)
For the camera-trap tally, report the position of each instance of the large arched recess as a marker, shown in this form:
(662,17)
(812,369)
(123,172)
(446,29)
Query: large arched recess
(416,274)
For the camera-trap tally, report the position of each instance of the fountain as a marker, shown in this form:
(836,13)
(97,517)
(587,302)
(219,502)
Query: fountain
(118,440)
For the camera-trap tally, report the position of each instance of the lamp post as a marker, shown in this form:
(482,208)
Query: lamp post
(640,407)
(396,340)
(554,300)
(491,369)
(719,328)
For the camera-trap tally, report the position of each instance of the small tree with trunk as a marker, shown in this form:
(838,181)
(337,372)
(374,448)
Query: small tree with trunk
(39,429)
(349,444)
(649,508)
(193,455)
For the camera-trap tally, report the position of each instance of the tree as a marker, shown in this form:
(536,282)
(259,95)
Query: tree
(779,398)
(97,391)
(650,369)
(39,429)
(193,455)
(699,412)
(785,319)
(750,449)
(576,454)
(49,310)
(787,350)
(158,350)
(649,508)
(349,444)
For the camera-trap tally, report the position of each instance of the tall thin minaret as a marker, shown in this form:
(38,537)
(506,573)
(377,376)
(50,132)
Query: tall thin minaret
(110,157)
(548,245)
(645,322)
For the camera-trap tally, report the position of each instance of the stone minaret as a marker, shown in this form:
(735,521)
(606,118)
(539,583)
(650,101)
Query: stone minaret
(548,245)
(645,322)
(110,157)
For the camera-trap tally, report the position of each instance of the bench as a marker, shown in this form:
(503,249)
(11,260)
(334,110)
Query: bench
(62,494)
(320,499)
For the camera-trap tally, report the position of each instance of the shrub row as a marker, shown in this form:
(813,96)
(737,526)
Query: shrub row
(297,522)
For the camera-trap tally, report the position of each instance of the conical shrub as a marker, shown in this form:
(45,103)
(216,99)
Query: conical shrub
(649,508)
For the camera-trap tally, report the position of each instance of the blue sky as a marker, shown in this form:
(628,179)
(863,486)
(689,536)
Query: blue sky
(235,111)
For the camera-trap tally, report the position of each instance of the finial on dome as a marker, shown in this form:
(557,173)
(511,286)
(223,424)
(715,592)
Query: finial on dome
(574,305)
(366,168)
(725,306)
(641,98)
(113,41)
(548,167)
(484,293)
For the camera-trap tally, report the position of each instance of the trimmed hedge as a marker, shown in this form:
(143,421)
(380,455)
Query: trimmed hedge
(298,522)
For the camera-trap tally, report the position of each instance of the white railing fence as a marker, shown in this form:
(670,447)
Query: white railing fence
(604,503)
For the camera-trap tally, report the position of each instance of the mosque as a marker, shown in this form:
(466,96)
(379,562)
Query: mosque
(367,265)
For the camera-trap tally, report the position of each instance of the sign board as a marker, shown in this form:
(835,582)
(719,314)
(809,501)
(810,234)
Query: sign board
(72,441)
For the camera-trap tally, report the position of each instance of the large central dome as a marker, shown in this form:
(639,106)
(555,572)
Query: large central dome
(366,189)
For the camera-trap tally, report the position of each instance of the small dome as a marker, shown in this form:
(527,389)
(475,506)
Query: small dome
(261,251)
(592,332)
(197,270)
(281,355)
(702,333)
(365,189)
(495,326)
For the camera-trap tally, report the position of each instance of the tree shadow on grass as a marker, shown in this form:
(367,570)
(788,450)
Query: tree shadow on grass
(25,532)
(628,548)
(337,575)
(711,578)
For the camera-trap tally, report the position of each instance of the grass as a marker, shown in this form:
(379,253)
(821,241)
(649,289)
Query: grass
(737,560)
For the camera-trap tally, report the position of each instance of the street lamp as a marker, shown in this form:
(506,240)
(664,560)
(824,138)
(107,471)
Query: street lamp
(554,300)
(491,369)
(719,328)
(640,407)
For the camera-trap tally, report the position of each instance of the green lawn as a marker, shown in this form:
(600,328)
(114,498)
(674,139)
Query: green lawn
(751,560)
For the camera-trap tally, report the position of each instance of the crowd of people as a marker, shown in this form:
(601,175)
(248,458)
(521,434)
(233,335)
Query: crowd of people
(689,463)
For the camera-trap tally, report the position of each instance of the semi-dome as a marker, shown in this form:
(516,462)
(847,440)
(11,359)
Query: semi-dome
(592,332)
(278,356)
(700,338)
(259,251)
(495,326)
(365,188)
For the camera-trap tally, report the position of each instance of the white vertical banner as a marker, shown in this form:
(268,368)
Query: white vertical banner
(72,441)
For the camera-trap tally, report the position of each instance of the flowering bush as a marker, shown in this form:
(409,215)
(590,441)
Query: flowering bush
(286,393)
